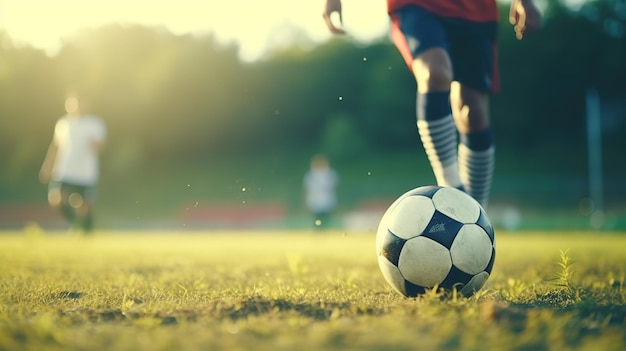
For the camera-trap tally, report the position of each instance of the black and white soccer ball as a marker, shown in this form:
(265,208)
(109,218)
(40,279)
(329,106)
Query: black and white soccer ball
(435,236)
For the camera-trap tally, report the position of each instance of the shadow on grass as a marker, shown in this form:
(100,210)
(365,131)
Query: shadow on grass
(316,310)
(253,306)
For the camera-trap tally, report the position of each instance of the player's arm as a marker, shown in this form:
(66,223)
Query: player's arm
(525,17)
(45,173)
(333,6)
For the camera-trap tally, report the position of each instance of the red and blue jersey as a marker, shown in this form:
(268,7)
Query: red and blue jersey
(471,10)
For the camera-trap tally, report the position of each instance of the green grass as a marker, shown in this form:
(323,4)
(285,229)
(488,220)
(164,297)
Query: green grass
(299,291)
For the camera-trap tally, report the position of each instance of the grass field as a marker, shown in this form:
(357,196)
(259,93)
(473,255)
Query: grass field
(299,291)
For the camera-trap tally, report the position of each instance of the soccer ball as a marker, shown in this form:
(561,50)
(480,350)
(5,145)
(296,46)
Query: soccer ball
(435,236)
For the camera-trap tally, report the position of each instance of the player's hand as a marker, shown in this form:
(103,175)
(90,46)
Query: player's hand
(525,17)
(44,176)
(333,6)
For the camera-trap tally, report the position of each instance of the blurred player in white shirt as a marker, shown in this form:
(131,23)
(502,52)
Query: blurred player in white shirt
(320,184)
(71,166)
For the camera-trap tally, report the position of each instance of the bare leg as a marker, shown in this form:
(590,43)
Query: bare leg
(435,124)
(476,154)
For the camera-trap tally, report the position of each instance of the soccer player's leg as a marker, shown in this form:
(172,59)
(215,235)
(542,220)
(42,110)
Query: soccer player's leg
(476,152)
(58,198)
(435,123)
(85,207)
(476,77)
(421,39)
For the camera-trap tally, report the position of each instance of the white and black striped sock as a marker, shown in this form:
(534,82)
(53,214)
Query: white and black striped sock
(476,164)
(439,138)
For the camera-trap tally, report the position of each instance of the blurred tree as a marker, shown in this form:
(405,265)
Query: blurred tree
(176,101)
(30,90)
(552,72)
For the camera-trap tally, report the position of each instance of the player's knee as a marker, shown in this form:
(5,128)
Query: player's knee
(433,70)
(433,77)
(54,198)
(470,108)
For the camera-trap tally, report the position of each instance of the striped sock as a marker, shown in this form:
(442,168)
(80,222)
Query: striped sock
(439,136)
(476,163)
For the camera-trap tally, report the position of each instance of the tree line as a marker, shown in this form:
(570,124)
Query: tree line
(170,100)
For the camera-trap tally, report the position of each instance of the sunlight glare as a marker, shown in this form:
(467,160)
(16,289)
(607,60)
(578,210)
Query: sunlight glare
(250,23)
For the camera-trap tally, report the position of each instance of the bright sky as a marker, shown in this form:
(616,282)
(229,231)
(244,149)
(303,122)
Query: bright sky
(254,24)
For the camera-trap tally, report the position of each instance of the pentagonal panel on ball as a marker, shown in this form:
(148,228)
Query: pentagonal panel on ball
(455,279)
(424,262)
(472,249)
(391,247)
(456,204)
(392,275)
(411,216)
(484,222)
(442,229)
(475,284)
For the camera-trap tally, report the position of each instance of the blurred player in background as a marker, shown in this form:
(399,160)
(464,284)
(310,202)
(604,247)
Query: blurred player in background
(320,186)
(71,165)
(451,49)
